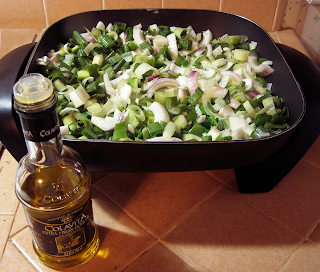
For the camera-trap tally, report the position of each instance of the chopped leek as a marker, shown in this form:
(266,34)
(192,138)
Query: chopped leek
(168,83)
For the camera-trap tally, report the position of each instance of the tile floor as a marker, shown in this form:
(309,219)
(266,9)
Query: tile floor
(185,221)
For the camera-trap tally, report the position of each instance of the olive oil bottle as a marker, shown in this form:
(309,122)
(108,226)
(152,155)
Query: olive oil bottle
(52,182)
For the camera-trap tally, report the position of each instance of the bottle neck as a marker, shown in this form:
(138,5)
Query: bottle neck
(42,136)
(45,153)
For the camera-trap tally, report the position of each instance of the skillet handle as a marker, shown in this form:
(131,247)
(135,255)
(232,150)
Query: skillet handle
(264,176)
(12,68)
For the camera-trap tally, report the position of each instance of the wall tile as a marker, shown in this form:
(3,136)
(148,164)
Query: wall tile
(255,10)
(131,4)
(279,15)
(310,31)
(191,4)
(56,10)
(274,37)
(14,14)
(13,38)
(290,38)
(301,17)
(292,13)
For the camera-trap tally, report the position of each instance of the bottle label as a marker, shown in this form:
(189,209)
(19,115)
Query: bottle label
(40,127)
(65,235)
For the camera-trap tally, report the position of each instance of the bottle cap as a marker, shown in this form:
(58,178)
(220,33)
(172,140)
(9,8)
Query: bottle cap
(32,88)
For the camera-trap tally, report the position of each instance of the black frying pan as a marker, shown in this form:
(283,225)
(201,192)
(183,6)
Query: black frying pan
(103,155)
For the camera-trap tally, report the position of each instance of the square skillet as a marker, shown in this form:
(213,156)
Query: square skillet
(106,155)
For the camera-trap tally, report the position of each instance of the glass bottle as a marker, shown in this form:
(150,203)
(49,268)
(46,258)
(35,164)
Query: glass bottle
(52,182)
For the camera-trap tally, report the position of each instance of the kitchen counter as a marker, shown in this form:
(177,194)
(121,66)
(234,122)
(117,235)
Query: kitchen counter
(183,221)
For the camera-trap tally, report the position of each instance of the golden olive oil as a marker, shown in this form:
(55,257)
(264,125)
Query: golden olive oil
(52,182)
(55,199)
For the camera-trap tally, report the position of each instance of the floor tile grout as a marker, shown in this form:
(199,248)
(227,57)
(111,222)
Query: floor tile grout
(178,256)
(8,236)
(296,249)
(268,215)
(310,162)
(24,255)
(217,179)
(190,212)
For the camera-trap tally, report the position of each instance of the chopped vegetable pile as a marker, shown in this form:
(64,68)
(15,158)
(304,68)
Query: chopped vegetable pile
(122,83)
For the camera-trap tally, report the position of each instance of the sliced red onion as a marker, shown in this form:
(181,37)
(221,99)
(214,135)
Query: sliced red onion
(226,111)
(88,48)
(161,83)
(218,92)
(167,69)
(123,37)
(233,74)
(248,83)
(262,69)
(200,49)
(201,119)
(150,78)
(234,103)
(149,37)
(117,114)
(52,53)
(177,69)
(224,81)
(266,70)
(182,93)
(67,75)
(88,37)
(123,116)
(254,93)
(54,60)
(193,82)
